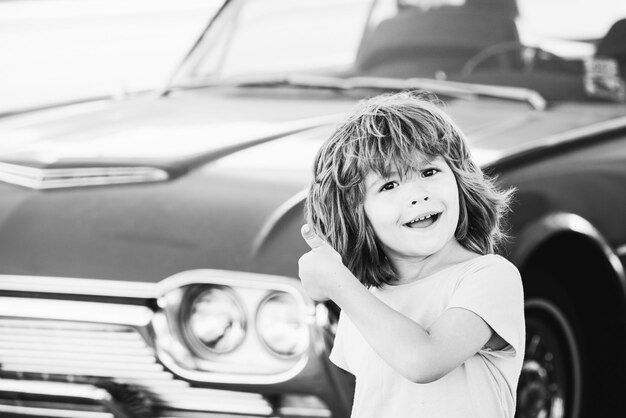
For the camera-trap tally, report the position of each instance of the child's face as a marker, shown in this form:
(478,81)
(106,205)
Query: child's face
(415,216)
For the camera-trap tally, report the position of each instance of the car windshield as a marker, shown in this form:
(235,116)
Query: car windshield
(561,49)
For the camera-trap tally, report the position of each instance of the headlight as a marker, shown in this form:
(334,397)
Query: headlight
(281,325)
(216,321)
(234,327)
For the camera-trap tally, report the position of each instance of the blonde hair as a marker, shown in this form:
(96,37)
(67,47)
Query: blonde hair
(383,134)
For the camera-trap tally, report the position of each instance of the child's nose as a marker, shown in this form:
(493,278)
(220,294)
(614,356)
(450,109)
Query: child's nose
(415,202)
(417,192)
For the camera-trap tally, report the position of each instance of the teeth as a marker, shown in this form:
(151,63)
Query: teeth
(422,218)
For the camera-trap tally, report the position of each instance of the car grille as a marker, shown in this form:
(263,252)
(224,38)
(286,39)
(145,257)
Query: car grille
(106,355)
(90,348)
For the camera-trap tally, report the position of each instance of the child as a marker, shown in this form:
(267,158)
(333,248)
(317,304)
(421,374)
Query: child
(402,226)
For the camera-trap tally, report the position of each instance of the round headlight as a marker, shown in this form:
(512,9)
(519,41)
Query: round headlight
(216,321)
(282,326)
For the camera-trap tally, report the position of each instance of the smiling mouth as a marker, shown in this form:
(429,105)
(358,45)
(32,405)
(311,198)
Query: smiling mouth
(423,221)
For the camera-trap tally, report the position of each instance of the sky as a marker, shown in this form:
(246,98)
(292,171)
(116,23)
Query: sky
(54,50)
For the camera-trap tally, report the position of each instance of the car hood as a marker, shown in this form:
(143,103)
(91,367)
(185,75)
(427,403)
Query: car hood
(239,167)
(190,128)
(158,132)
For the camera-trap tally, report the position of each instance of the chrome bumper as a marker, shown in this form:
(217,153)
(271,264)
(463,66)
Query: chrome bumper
(46,399)
(71,400)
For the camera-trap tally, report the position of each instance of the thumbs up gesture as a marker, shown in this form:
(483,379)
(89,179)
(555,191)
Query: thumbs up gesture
(321,269)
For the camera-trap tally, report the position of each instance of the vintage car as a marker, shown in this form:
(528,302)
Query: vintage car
(149,246)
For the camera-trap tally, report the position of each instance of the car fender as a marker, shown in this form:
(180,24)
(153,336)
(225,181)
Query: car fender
(541,230)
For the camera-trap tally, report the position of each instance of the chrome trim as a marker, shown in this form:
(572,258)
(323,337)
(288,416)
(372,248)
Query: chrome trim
(232,378)
(292,411)
(23,364)
(173,355)
(73,286)
(61,390)
(219,401)
(302,406)
(54,389)
(30,412)
(223,402)
(273,220)
(69,310)
(457,89)
(621,251)
(238,279)
(560,139)
(54,178)
(533,98)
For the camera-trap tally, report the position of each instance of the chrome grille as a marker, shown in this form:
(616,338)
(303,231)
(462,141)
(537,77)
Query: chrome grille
(54,350)
(76,349)
(71,351)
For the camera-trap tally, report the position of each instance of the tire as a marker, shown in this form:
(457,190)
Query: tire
(551,381)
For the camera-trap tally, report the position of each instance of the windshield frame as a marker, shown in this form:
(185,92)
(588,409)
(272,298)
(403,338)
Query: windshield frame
(194,54)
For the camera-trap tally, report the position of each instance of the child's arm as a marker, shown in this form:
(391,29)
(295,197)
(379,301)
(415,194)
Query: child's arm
(418,354)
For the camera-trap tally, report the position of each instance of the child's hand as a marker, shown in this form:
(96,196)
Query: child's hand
(321,269)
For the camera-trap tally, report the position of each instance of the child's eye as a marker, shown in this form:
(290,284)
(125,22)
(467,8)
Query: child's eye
(389,186)
(429,172)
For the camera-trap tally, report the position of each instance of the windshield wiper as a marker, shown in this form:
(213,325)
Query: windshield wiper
(443,87)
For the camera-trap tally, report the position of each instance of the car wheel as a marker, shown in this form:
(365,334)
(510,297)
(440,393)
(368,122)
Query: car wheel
(550,384)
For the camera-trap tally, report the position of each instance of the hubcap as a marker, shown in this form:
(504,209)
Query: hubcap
(538,395)
(549,385)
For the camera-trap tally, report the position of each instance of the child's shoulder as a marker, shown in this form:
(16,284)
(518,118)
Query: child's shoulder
(492,260)
(490,264)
